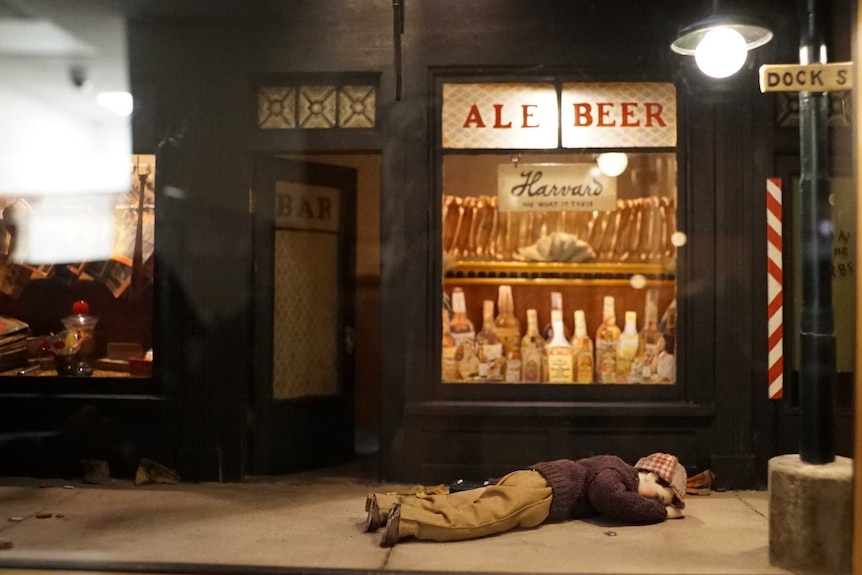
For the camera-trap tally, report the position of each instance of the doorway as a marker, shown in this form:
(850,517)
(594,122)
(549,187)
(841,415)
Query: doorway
(313,414)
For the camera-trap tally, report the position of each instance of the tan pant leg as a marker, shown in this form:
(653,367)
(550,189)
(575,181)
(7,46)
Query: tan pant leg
(386,500)
(520,499)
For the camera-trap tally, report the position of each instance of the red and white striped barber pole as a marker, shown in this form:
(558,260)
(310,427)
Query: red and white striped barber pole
(775,290)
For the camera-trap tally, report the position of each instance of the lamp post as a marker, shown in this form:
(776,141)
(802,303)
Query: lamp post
(817,337)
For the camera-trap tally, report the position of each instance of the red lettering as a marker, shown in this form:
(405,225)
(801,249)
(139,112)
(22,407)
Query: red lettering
(498,117)
(583,115)
(474,117)
(604,112)
(653,112)
(628,111)
(528,114)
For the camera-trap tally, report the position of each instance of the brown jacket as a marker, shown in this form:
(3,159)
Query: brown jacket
(602,485)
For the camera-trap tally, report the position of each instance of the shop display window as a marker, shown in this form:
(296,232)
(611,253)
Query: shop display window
(558,232)
(610,273)
(90,318)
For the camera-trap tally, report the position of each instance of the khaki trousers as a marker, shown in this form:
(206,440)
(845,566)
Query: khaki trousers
(520,499)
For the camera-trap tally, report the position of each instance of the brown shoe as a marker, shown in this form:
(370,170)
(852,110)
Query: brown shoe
(702,480)
(373,521)
(390,536)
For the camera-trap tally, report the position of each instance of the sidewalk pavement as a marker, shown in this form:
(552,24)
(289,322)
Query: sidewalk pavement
(315,521)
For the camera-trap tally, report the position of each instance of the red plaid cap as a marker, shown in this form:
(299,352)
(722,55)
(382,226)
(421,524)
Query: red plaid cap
(667,467)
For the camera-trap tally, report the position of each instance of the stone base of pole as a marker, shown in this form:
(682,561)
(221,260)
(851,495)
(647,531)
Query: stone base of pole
(810,514)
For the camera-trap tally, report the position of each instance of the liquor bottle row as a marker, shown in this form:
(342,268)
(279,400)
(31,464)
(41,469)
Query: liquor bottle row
(500,352)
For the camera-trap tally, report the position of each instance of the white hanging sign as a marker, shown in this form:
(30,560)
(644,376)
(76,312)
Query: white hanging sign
(516,116)
(618,115)
(587,114)
(554,187)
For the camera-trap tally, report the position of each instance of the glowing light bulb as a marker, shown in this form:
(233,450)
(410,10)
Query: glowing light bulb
(678,239)
(721,52)
(612,164)
(638,281)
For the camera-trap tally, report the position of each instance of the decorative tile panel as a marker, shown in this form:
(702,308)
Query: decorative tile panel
(356,106)
(787,110)
(840,110)
(305,320)
(317,106)
(276,107)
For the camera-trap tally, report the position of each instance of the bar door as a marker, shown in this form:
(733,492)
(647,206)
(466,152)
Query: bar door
(302,394)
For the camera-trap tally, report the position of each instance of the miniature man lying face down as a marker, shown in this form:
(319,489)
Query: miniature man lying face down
(604,485)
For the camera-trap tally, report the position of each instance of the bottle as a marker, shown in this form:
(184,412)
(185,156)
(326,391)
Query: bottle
(649,336)
(582,350)
(532,350)
(513,366)
(462,331)
(607,338)
(460,325)
(449,370)
(509,331)
(556,303)
(664,365)
(628,346)
(668,319)
(489,348)
(559,350)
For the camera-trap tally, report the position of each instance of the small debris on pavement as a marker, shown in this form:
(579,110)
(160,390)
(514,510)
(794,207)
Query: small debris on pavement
(152,472)
(16,519)
(44,515)
(68,487)
(5,543)
(59,515)
(96,472)
(611,533)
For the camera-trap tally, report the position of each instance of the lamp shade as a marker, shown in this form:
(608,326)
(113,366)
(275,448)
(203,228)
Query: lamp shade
(754,33)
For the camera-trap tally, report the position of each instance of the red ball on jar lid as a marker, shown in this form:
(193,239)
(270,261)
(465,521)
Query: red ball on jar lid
(80,307)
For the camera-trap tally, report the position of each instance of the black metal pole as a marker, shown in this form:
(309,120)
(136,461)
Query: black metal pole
(817,338)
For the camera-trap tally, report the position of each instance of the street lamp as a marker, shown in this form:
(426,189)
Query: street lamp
(720,44)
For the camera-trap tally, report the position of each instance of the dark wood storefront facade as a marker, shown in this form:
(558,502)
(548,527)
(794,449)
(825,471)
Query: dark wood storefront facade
(195,79)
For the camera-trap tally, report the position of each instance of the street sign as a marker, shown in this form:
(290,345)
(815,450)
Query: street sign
(806,77)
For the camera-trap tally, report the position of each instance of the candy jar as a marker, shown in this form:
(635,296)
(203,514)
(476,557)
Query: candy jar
(66,347)
(85,325)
